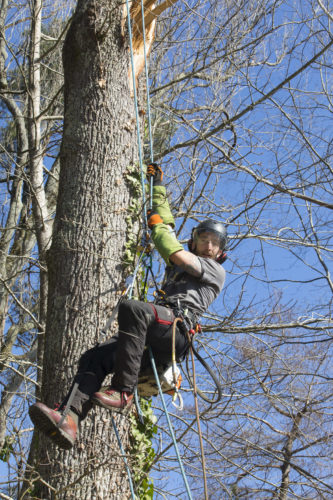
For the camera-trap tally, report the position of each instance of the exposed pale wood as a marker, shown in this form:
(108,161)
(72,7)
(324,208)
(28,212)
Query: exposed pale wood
(151,13)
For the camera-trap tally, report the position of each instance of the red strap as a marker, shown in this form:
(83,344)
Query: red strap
(159,320)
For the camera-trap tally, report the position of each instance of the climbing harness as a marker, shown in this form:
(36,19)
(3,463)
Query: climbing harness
(190,325)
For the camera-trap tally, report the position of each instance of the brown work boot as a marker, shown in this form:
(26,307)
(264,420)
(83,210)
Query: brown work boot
(111,399)
(47,421)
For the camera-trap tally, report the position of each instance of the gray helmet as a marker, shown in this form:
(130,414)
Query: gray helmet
(212,227)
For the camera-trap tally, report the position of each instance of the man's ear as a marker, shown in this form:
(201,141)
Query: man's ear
(191,244)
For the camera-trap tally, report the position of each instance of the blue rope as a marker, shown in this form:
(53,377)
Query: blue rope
(137,115)
(169,424)
(148,103)
(138,407)
(135,272)
(145,214)
(147,84)
(122,451)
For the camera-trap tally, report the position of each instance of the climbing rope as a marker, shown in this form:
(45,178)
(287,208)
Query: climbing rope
(218,392)
(152,361)
(149,266)
(197,415)
(122,451)
(136,114)
(174,366)
(147,86)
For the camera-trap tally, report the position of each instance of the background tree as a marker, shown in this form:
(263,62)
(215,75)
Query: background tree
(28,201)
(241,101)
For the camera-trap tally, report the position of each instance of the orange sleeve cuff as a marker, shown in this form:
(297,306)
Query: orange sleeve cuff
(154,219)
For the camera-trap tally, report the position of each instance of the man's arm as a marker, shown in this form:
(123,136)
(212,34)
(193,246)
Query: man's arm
(160,202)
(161,222)
(188,262)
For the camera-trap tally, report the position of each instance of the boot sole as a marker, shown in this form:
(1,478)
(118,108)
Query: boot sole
(47,426)
(122,411)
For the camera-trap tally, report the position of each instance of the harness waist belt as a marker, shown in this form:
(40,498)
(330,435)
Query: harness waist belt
(190,315)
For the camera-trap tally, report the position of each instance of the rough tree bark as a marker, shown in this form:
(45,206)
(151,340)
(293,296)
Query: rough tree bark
(84,261)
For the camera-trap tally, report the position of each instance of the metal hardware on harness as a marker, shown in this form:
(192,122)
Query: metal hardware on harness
(197,329)
(160,294)
(167,377)
(173,378)
(145,246)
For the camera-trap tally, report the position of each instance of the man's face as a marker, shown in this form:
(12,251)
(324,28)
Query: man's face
(207,245)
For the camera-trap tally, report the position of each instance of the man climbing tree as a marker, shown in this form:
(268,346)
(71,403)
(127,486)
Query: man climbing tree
(193,280)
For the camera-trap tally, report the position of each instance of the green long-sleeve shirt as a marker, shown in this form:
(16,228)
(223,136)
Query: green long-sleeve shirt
(163,235)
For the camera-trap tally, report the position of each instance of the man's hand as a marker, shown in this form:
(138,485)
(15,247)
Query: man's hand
(155,171)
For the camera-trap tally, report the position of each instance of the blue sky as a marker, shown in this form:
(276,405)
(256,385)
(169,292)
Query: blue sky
(285,139)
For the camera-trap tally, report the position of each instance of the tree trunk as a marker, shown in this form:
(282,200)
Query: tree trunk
(84,261)
(287,453)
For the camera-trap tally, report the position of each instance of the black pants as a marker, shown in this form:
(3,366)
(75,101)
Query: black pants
(140,324)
